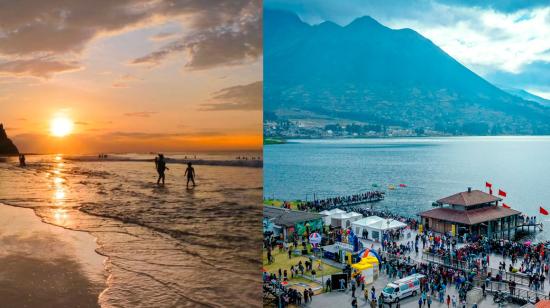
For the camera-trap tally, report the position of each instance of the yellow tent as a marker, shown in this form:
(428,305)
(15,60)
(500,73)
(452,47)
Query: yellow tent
(361,266)
(371,260)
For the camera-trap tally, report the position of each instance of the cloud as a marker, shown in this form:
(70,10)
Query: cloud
(124,81)
(141,135)
(242,97)
(41,68)
(506,6)
(232,40)
(141,114)
(488,39)
(162,36)
(81,123)
(57,29)
(534,77)
(149,135)
(142,142)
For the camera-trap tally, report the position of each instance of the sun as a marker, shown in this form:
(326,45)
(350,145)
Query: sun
(61,126)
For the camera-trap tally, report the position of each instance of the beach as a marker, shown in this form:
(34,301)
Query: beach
(164,246)
(46,266)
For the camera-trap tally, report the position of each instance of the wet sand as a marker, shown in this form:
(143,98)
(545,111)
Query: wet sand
(46,266)
(166,246)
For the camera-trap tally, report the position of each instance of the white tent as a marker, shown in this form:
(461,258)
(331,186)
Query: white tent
(329,214)
(375,226)
(344,220)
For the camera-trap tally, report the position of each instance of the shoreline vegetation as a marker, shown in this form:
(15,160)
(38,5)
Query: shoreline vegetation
(274,141)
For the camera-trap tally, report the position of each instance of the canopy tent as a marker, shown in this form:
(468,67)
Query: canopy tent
(375,226)
(368,265)
(344,220)
(330,213)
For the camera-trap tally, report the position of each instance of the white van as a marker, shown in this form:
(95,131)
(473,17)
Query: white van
(402,288)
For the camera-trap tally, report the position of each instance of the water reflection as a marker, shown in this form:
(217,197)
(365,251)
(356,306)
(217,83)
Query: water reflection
(60,214)
(59,195)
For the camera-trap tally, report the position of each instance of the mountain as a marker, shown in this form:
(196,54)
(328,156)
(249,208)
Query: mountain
(369,73)
(527,96)
(6,145)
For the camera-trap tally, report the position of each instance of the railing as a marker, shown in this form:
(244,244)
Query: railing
(446,261)
(390,257)
(519,278)
(530,295)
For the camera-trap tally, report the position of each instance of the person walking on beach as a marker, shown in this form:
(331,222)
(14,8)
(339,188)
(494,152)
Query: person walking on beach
(190,172)
(22,162)
(160,164)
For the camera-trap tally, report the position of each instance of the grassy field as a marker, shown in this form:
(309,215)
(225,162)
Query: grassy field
(283,262)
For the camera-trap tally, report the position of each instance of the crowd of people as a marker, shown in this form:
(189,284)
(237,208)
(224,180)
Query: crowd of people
(319,205)
(462,262)
(286,295)
(275,283)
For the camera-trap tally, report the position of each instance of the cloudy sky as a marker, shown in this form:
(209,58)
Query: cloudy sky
(507,42)
(133,75)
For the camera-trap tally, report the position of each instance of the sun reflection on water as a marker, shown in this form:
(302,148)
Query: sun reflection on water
(61,216)
(59,195)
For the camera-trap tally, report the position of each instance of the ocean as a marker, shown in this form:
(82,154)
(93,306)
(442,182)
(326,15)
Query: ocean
(165,246)
(431,168)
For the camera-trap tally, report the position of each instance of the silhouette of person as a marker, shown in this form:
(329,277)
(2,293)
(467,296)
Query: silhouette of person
(190,172)
(160,164)
(22,162)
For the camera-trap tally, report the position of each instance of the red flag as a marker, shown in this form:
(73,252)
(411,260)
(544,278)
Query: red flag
(501,193)
(543,211)
(505,205)
(487,184)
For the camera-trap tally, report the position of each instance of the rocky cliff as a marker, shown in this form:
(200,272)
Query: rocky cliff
(6,145)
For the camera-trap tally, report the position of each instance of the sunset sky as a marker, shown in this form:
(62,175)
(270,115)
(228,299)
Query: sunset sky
(132,75)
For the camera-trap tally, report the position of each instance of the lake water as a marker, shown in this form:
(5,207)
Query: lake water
(165,246)
(431,168)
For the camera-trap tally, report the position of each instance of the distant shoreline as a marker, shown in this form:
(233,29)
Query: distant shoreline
(297,140)
(207,162)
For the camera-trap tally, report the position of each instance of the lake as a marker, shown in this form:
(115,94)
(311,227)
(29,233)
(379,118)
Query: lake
(431,168)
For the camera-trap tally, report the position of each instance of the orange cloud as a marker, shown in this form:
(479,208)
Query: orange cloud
(41,68)
(241,97)
(136,142)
